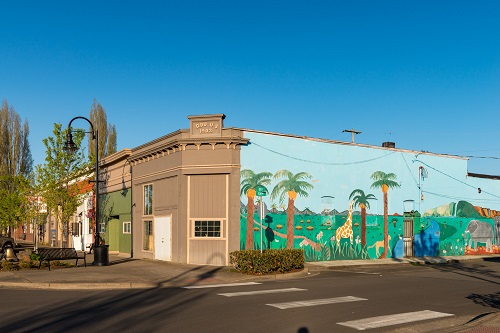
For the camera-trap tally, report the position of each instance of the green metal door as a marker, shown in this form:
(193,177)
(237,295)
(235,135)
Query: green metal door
(114,235)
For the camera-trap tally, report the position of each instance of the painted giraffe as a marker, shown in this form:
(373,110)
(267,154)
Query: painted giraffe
(345,230)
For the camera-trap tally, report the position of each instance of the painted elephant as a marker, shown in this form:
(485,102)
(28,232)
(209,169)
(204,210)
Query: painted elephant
(480,232)
(497,230)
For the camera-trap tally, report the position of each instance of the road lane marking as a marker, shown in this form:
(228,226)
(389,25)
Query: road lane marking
(222,285)
(314,302)
(353,272)
(395,319)
(260,292)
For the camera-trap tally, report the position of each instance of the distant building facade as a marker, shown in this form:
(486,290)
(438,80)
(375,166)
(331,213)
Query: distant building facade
(196,194)
(190,202)
(185,194)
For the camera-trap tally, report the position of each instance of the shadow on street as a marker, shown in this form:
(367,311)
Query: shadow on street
(138,310)
(480,271)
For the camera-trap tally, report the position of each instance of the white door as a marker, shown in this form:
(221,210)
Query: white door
(163,238)
(77,243)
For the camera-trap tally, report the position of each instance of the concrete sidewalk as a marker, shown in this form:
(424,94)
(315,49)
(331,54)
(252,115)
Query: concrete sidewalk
(126,273)
(129,273)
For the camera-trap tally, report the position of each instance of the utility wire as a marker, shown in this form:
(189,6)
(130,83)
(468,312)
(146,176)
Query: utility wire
(489,157)
(458,180)
(385,155)
(317,162)
(408,167)
(462,199)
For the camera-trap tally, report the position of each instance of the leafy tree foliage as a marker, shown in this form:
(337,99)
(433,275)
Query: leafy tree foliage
(61,178)
(15,158)
(106,132)
(14,206)
(16,165)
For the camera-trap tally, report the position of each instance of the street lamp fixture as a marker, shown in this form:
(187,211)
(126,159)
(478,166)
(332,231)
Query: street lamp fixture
(70,144)
(101,257)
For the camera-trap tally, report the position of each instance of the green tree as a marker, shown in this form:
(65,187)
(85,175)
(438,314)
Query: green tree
(61,178)
(15,158)
(291,185)
(385,181)
(107,132)
(14,206)
(248,184)
(361,200)
(111,142)
(16,165)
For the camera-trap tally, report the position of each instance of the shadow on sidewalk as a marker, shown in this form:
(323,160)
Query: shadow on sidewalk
(121,261)
(145,310)
(196,274)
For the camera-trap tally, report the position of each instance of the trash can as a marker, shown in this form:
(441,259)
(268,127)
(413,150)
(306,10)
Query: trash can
(101,255)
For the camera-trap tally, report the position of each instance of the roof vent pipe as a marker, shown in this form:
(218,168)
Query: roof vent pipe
(388,144)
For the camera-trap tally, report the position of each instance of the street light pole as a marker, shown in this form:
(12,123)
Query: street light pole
(101,257)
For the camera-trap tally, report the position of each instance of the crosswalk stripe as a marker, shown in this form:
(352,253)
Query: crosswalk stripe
(259,292)
(222,285)
(314,302)
(395,319)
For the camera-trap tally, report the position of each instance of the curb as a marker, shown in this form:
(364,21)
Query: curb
(284,276)
(487,322)
(137,285)
(79,286)
(310,269)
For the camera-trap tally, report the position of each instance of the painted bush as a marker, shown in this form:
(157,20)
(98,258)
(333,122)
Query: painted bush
(315,234)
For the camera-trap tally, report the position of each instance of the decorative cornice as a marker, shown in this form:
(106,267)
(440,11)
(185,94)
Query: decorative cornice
(180,144)
(207,116)
(113,158)
(162,138)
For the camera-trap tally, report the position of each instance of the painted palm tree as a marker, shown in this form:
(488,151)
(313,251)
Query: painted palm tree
(290,185)
(248,184)
(361,200)
(385,181)
(274,208)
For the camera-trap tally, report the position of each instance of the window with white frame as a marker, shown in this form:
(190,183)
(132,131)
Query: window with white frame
(207,229)
(147,243)
(127,227)
(148,199)
(76,229)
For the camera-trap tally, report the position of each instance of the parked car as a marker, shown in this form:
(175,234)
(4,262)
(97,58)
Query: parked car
(5,242)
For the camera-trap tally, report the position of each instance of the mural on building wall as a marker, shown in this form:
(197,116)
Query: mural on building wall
(352,229)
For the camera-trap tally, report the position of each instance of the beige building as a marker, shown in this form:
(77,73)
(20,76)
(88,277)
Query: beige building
(185,194)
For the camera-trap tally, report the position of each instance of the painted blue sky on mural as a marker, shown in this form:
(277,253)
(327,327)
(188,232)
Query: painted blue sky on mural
(424,74)
(337,170)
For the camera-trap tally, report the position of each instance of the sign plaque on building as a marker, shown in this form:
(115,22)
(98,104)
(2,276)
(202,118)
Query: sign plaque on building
(206,125)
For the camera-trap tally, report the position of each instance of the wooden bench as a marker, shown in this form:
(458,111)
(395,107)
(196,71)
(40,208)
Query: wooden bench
(60,253)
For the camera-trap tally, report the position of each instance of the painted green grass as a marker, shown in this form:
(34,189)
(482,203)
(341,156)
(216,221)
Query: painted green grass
(331,251)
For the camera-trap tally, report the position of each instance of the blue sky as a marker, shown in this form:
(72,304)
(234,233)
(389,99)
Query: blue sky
(423,74)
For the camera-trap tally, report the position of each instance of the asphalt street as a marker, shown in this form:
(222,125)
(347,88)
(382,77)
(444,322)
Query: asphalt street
(438,297)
